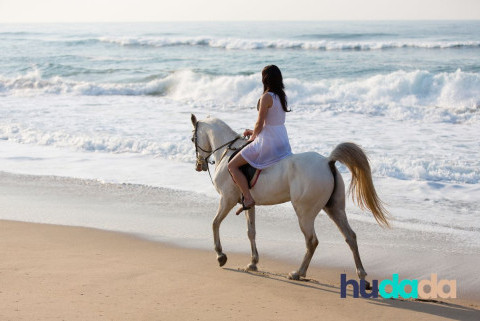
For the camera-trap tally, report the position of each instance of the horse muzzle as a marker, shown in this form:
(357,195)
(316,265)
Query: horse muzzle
(201,166)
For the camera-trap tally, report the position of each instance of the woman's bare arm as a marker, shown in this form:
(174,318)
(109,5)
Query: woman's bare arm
(265,102)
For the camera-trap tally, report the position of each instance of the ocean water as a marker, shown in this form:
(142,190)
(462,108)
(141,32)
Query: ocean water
(112,102)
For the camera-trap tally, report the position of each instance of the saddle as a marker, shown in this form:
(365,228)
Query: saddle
(251,173)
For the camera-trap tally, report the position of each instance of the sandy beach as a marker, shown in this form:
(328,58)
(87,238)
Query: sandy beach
(53,272)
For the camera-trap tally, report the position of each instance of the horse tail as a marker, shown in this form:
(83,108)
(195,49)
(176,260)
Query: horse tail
(361,186)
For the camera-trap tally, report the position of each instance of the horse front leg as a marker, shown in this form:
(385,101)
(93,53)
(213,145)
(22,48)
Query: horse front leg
(250,215)
(223,209)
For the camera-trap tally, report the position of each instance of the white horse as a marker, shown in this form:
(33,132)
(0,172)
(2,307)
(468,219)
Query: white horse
(310,181)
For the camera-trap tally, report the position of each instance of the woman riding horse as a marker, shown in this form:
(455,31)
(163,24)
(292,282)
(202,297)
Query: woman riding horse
(269,139)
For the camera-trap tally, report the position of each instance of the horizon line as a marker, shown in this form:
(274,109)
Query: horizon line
(234,21)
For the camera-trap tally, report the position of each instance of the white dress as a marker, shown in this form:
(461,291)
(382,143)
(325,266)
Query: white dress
(272,144)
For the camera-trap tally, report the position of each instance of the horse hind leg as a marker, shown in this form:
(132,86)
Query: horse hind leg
(339,217)
(250,215)
(306,221)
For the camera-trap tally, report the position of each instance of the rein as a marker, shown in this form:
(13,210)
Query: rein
(210,153)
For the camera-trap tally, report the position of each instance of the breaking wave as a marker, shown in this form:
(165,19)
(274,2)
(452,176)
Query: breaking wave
(450,97)
(256,44)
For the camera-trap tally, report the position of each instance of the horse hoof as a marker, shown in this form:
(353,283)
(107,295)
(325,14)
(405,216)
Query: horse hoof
(252,267)
(294,275)
(222,259)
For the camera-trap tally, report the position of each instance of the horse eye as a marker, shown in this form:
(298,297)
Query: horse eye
(192,139)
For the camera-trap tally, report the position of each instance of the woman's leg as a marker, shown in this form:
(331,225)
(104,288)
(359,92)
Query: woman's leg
(240,179)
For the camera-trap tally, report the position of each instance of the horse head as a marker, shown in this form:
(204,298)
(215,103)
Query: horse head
(202,145)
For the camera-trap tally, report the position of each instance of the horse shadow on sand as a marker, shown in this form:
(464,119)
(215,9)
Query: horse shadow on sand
(433,307)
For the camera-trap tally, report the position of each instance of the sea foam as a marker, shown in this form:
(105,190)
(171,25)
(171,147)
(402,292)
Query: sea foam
(450,97)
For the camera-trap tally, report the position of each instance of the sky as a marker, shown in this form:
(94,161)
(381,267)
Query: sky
(234,10)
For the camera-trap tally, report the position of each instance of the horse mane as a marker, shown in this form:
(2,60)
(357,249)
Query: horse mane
(218,124)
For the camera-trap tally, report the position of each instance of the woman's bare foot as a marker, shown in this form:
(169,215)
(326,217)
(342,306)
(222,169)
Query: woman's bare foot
(249,202)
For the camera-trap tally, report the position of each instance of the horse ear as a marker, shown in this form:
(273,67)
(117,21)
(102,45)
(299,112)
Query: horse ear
(194,120)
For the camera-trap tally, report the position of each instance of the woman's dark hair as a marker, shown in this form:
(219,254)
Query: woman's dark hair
(273,81)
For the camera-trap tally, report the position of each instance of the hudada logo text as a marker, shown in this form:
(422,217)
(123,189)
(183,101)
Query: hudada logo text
(424,289)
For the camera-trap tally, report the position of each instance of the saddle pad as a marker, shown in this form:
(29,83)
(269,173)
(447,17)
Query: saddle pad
(251,173)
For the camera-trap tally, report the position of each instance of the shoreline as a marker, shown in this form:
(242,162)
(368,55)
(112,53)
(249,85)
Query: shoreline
(82,273)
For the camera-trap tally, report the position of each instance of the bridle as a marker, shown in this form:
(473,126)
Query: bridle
(204,161)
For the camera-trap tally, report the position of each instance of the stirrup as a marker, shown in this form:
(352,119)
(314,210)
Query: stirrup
(244,208)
